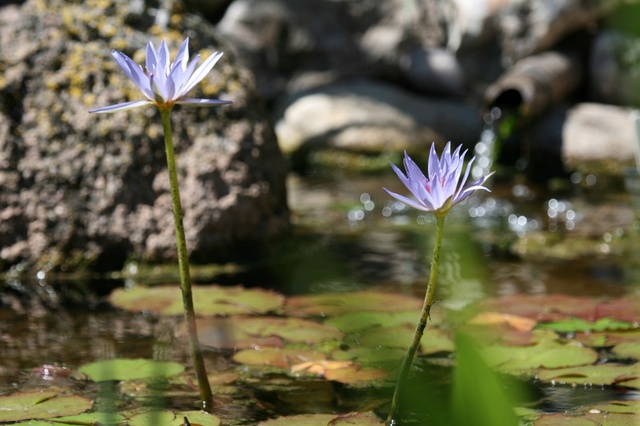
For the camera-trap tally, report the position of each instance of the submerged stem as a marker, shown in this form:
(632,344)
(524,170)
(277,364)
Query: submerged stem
(183,263)
(422,323)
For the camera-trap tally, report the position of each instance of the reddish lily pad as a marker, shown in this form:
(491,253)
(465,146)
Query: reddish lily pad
(601,374)
(608,338)
(352,419)
(41,405)
(277,357)
(208,300)
(555,307)
(250,332)
(129,369)
(332,304)
(543,308)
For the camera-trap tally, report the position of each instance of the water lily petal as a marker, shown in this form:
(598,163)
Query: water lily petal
(442,188)
(202,71)
(121,107)
(202,102)
(164,83)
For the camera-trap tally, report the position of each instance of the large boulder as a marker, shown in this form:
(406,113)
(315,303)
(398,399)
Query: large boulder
(367,116)
(78,189)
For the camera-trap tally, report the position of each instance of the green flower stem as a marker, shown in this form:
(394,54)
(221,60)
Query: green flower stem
(183,263)
(422,323)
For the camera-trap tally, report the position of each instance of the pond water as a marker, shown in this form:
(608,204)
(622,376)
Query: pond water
(579,239)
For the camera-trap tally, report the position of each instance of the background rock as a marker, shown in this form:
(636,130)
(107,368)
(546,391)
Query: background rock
(87,190)
(368,116)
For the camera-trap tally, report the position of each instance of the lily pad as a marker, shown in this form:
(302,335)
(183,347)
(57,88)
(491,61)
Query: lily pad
(601,374)
(208,300)
(170,418)
(98,418)
(434,340)
(628,349)
(572,325)
(240,332)
(378,356)
(357,321)
(129,369)
(352,419)
(589,419)
(353,374)
(549,354)
(552,307)
(41,405)
(332,304)
(556,307)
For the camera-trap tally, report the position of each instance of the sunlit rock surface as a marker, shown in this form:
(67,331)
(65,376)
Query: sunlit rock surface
(92,190)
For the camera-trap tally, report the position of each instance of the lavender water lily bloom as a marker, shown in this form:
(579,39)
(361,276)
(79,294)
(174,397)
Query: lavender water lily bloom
(443,187)
(163,83)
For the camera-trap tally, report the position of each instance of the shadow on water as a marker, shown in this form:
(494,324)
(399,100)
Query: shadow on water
(349,236)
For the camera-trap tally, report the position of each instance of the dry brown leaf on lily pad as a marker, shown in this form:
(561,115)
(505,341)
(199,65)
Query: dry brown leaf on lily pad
(494,318)
(277,357)
(340,371)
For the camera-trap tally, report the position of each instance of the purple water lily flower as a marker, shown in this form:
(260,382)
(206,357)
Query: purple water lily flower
(164,83)
(443,188)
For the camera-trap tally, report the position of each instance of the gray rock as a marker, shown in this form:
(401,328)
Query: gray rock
(529,27)
(587,136)
(78,189)
(279,39)
(615,68)
(371,117)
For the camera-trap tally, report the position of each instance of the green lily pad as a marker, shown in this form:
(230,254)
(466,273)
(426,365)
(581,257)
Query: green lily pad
(41,405)
(208,300)
(588,419)
(353,419)
(241,332)
(170,418)
(103,419)
(357,321)
(547,353)
(332,304)
(577,324)
(277,357)
(628,349)
(373,356)
(601,374)
(434,340)
(129,369)
(624,407)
